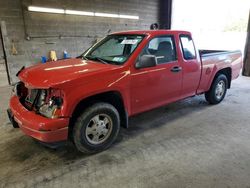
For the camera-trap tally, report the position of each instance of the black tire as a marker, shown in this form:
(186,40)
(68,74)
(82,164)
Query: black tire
(83,140)
(211,96)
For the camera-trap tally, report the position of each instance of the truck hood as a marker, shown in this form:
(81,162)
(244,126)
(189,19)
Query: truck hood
(59,72)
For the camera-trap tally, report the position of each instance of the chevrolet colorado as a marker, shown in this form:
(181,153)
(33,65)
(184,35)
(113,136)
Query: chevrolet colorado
(88,98)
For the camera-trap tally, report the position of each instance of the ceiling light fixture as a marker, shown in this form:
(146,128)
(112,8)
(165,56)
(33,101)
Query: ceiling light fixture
(80,13)
(47,10)
(129,17)
(106,15)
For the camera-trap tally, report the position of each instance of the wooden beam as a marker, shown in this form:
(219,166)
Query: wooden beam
(246,66)
(165,14)
(3,33)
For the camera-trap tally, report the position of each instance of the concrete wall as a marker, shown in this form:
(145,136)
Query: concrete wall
(65,32)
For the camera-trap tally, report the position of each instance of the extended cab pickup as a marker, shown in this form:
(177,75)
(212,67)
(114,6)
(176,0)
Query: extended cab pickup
(87,98)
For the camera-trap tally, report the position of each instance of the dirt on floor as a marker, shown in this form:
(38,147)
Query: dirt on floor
(184,144)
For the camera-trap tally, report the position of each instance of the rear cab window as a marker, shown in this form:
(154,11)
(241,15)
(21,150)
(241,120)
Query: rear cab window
(187,46)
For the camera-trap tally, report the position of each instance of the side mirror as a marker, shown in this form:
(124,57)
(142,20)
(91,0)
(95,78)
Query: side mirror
(146,61)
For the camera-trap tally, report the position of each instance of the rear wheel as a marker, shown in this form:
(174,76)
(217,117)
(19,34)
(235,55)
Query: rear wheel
(96,128)
(218,90)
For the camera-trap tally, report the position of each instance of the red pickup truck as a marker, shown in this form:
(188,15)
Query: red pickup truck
(88,98)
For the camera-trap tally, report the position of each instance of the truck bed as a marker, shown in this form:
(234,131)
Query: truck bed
(214,60)
(206,53)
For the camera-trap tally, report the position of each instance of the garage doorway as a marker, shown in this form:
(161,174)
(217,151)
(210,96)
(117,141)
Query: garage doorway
(212,28)
(3,68)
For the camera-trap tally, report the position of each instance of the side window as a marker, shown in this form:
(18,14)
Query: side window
(188,49)
(163,48)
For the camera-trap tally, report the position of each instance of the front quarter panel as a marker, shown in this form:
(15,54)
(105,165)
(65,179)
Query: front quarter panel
(77,90)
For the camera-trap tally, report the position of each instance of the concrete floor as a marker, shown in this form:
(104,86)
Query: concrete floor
(185,144)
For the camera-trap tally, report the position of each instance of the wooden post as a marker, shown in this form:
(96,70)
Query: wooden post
(165,14)
(246,66)
(3,33)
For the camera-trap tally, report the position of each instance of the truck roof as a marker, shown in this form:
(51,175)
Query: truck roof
(151,32)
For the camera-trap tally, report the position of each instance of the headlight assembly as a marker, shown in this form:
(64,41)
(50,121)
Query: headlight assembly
(50,102)
(19,90)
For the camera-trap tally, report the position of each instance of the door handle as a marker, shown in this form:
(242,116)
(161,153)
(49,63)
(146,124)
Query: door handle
(176,69)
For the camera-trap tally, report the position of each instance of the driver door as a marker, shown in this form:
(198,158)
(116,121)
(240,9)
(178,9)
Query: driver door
(155,86)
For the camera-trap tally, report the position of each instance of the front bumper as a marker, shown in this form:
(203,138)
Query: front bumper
(34,125)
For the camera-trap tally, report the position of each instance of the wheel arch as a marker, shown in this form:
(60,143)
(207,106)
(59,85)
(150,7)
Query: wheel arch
(227,72)
(112,97)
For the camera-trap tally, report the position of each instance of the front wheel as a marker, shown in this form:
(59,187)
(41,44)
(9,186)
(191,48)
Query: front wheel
(218,90)
(96,128)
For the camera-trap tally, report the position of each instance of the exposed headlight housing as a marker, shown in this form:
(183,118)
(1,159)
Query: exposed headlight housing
(50,102)
(19,90)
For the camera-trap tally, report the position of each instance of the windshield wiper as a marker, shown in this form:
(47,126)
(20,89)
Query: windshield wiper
(101,60)
(97,58)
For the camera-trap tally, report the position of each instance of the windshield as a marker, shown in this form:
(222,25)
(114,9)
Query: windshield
(113,49)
